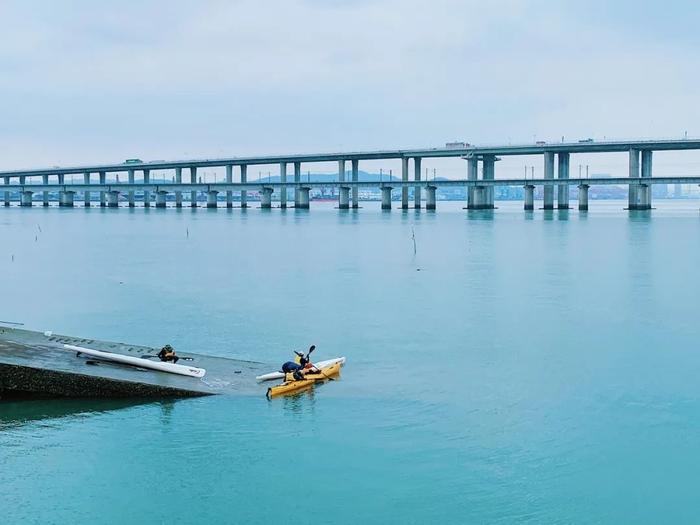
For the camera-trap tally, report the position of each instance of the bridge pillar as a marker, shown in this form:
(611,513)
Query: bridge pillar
(86,194)
(283,189)
(563,173)
(212,201)
(45,194)
(244,179)
(386,197)
(489,162)
(297,180)
(344,200)
(193,180)
(7,193)
(529,197)
(404,178)
(66,198)
(146,193)
(229,193)
(647,157)
(583,197)
(178,194)
(416,190)
(355,164)
(103,194)
(161,197)
(113,199)
(430,197)
(341,179)
(303,198)
(548,189)
(472,174)
(632,201)
(26,198)
(132,198)
(266,198)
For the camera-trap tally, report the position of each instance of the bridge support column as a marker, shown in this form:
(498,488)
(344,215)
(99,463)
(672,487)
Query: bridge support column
(548,189)
(430,198)
(472,174)
(632,200)
(481,198)
(283,189)
(645,198)
(212,197)
(146,193)
(229,193)
(132,198)
(113,199)
(297,180)
(7,193)
(417,189)
(303,197)
(341,179)
(386,197)
(178,194)
(529,197)
(489,174)
(86,194)
(103,194)
(266,198)
(244,179)
(161,199)
(404,178)
(583,197)
(66,198)
(45,194)
(26,198)
(355,164)
(193,180)
(563,189)
(344,200)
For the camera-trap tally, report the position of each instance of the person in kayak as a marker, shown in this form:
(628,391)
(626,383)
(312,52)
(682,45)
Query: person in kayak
(167,354)
(300,366)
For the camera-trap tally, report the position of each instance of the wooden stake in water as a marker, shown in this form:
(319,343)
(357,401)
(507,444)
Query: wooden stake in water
(413,235)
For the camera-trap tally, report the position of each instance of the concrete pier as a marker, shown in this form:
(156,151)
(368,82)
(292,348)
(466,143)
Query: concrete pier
(341,178)
(161,197)
(113,199)
(7,193)
(632,201)
(229,179)
(344,198)
(489,162)
(103,193)
(26,198)
(386,197)
(303,198)
(548,189)
(417,188)
(355,166)
(146,193)
(644,196)
(86,194)
(404,177)
(529,197)
(66,199)
(131,196)
(193,180)
(212,199)
(563,173)
(583,197)
(480,198)
(266,198)
(297,180)
(178,194)
(283,191)
(244,179)
(472,174)
(430,198)
(45,196)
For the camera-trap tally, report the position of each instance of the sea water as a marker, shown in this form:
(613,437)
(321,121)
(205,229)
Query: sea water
(502,366)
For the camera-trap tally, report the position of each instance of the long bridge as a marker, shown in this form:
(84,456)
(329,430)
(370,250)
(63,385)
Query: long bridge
(478,182)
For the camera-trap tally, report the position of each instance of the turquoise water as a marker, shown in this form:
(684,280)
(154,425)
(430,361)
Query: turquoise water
(517,368)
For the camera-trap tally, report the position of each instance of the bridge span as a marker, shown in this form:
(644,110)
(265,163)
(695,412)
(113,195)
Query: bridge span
(479,181)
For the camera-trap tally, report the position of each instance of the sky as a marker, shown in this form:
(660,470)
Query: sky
(84,81)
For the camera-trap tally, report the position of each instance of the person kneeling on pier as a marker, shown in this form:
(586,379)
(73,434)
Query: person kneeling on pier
(167,354)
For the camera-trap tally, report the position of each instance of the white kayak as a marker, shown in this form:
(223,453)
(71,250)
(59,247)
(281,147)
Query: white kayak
(171,368)
(319,364)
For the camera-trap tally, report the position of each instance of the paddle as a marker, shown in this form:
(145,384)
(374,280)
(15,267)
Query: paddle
(320,371)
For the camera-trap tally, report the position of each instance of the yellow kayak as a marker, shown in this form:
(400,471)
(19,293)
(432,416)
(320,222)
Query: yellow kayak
(291,385)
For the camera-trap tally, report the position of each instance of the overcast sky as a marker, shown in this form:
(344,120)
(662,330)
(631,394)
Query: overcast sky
(81,81)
